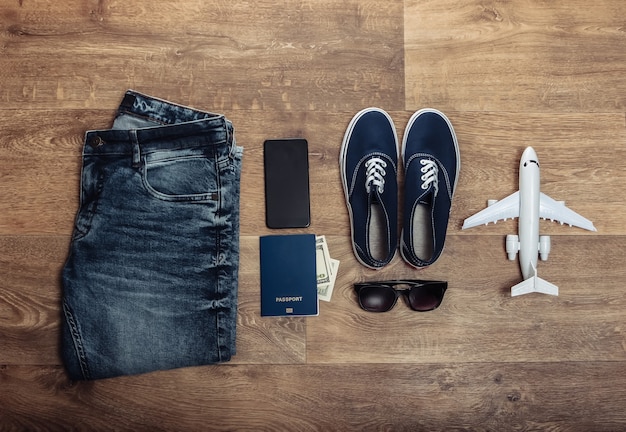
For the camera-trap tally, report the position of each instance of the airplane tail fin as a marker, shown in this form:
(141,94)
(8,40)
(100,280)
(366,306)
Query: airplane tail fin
(534,284)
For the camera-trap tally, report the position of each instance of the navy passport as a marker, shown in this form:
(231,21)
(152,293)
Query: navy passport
(288,275)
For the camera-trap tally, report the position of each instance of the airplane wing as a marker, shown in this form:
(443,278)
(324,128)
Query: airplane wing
(557,211)
(506,208)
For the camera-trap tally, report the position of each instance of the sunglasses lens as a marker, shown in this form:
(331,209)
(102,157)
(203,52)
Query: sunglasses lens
(426,298)
(377,298)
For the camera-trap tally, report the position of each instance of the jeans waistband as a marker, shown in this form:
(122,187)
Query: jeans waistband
(161,111)
(176,126)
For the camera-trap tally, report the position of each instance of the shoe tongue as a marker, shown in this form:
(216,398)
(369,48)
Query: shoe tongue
(375,196)
(427,197)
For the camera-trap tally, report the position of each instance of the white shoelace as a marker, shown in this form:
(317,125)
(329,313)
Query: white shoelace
(375,174)
(430,173)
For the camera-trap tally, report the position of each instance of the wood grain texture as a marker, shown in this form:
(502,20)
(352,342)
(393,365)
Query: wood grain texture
(429,397)
(46,161)
(508,75)
(520,56)
(31,306)
(478,320)
(294,56)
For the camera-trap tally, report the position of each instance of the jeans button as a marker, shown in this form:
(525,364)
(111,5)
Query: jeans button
(96,141)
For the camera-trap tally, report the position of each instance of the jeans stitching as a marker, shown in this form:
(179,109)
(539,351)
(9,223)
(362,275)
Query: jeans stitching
(207,197)
(77,339)
(84,220)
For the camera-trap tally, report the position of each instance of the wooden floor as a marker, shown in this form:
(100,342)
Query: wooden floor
(509,74)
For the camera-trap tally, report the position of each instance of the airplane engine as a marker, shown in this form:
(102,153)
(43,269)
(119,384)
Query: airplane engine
(512,246)
(544,247)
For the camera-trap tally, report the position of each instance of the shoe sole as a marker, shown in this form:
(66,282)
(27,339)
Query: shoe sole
(344,179)
(458,158)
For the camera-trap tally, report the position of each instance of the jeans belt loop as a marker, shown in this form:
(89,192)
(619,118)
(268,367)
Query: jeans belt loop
(230,138)
(136,148)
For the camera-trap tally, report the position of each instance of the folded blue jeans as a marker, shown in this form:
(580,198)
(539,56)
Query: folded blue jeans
(151,279)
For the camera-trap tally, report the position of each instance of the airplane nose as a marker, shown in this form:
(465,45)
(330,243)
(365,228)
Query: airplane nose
(529,157)
(529,154)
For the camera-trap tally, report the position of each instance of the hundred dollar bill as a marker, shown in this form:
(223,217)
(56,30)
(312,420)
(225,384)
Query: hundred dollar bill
(324,269)
(325,291)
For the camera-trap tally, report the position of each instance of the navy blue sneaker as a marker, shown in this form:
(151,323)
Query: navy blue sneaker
(431,158)
(369,172)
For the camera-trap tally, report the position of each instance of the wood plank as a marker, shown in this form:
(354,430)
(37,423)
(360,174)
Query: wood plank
(30,306)
(43,162)
(577,159)
(433,397)
(318,56)
(30,299)
(522,56)
(478,322)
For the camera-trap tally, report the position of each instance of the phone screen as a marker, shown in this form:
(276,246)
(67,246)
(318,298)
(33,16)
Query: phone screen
(286,168)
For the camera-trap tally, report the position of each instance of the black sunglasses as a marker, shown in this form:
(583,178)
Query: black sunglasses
(422,295)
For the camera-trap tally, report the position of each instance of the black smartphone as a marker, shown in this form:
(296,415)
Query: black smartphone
(286,169)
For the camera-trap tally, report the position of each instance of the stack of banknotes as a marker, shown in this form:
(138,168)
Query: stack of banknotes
(327,268)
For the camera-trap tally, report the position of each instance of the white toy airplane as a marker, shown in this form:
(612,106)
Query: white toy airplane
(529,204)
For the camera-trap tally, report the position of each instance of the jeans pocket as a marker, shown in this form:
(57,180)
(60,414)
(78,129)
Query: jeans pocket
(189,177)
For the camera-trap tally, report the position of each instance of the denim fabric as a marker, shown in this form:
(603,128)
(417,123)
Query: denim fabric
(151,278)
